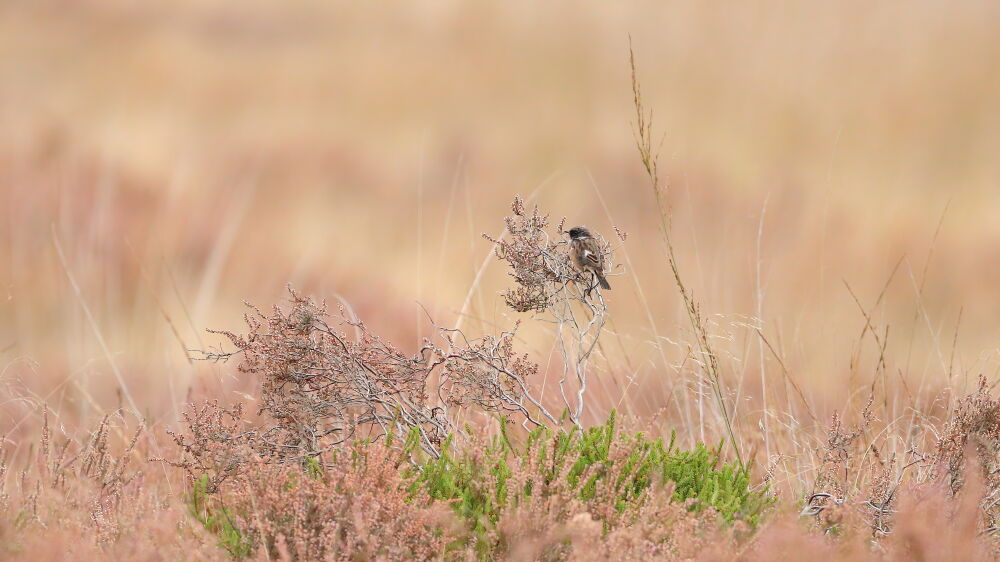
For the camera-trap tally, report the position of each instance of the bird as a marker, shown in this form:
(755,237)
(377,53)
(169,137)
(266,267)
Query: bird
(586,254)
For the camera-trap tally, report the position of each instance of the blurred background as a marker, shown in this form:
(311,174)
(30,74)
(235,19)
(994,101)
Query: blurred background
(162,163)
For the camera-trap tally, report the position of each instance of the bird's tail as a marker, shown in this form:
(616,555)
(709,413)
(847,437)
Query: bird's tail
(602,281)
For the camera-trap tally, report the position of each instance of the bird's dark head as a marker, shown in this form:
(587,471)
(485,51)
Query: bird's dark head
(579,233)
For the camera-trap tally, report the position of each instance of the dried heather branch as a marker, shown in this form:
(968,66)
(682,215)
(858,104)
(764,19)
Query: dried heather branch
(321,389)
(214,445)
(831,488)
(546,282)
(972,433)
(487,372)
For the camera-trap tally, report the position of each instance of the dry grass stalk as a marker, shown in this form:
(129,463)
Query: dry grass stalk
(709,361)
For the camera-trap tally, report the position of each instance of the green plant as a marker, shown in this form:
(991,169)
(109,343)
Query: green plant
(589,464)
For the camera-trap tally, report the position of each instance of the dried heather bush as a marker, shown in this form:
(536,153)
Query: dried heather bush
(215,445)
(322,389)
(540,262)
(91,464)
(356,508)
(932,524)
(832,489)
(83,497)
(547,282)
(883,498)
(975,423)
(927,524)
(970,444)
(562,526)
(881,494)
(489,374)
(864,499)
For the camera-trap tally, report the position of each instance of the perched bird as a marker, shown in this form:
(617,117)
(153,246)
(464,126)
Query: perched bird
(586,254)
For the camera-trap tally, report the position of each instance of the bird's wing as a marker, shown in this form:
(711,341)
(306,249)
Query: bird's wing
(591,258)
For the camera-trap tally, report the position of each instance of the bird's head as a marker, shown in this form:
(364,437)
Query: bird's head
(579,233)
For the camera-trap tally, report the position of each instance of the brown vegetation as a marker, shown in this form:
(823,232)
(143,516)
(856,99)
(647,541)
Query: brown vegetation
(810,280)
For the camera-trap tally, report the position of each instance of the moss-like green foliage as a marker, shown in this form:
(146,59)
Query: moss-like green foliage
(477,480)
